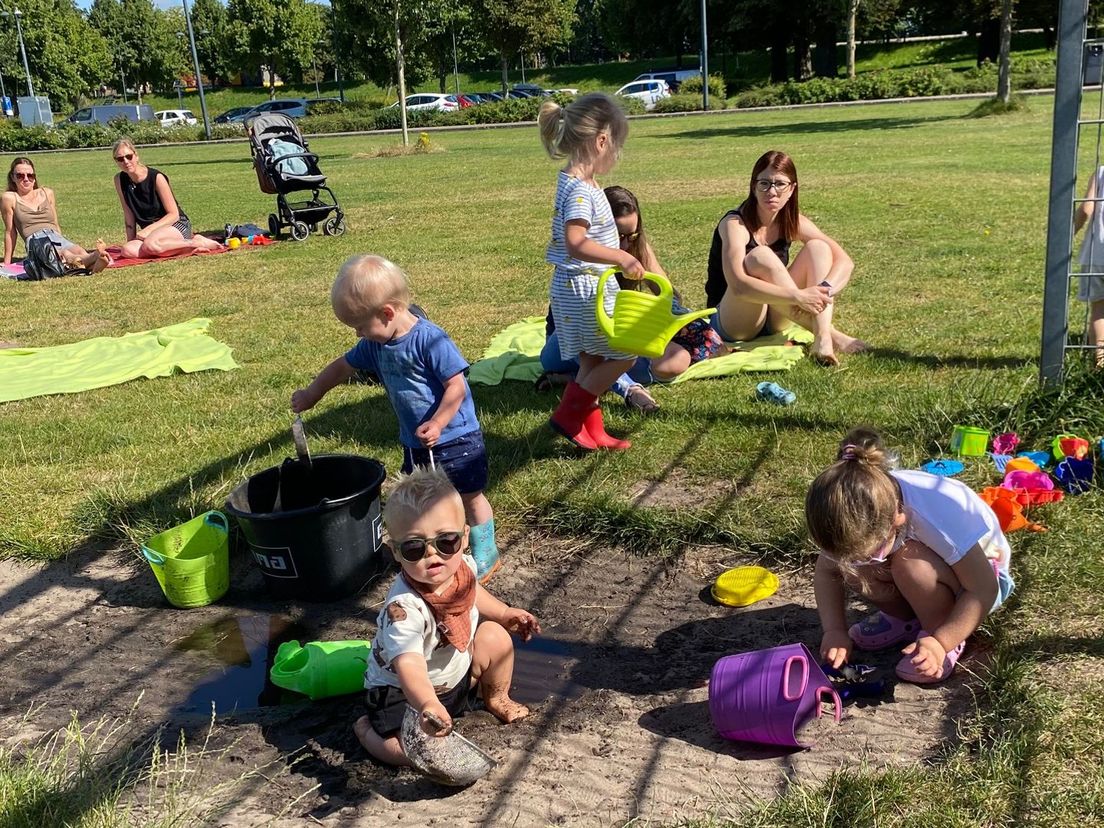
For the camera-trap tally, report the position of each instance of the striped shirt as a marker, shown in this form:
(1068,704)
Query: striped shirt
(578,201)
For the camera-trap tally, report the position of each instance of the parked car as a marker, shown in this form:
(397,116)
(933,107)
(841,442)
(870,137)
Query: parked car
(517,93)
(107,114)
(532,90)
(234,116)
(567,90)
(648,92)
(468,99)
(427,100)
(673,77)
(292,107)
(176,117)
(491,97)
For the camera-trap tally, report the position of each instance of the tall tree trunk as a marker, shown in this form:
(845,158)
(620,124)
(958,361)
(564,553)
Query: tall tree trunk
(988,45)
(1004,72)
(505,75)
(803,64)
(401,64)
(825,58)
(779,72)
(852,13)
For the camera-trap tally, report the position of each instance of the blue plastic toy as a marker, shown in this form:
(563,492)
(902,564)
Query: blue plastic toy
(774,393)
(944,468)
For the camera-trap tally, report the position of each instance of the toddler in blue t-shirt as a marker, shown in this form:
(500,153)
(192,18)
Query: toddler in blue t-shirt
(423,373)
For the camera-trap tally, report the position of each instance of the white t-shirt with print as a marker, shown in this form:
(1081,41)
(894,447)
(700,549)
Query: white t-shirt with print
(406,625)
(949,517)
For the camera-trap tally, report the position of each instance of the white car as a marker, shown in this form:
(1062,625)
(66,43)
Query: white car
(648,92)
(425,100)
(175,117)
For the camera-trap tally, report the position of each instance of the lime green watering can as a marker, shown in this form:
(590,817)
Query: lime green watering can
(642,323)
(321,669)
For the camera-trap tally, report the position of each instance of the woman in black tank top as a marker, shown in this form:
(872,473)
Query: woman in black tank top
(156,225)
(751,280)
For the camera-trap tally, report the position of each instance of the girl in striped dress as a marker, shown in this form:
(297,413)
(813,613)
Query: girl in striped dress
(589,133)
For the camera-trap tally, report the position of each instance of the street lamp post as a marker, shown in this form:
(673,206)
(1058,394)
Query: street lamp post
(16,13)
(337,59)
(199,78)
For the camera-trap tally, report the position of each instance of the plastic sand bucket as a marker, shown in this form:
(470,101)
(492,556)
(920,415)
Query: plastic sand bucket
(642,323)
(1006,443)
(744,585)
(314,531)
(1056,449)
(1008,505)
(321,669)
(1075,447)
(192,561)
(1032,481)
(766,696)
(1075,475)
(1039,458)
(969,441)
(1021,463)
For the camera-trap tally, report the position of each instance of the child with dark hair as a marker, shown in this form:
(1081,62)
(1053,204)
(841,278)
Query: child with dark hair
(925,550)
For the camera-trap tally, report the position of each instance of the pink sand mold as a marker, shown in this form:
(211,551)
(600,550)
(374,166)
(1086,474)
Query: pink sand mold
(766,696)
(1032,481)
(1006,443)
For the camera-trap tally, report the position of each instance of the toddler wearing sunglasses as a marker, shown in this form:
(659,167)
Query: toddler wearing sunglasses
(422,371)
(925,550)
(441,635)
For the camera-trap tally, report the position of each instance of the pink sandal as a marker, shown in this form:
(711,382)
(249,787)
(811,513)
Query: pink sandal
(881,630)
(906,670)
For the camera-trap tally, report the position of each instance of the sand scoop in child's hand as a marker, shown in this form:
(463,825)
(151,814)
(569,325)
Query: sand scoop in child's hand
(450,760)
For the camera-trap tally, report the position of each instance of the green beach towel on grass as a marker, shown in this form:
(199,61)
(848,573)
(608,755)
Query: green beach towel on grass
(514,354)
(110,360)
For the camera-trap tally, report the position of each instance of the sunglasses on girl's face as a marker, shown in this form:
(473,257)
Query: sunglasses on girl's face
(447,544)
(629,236)
(119,159)
(28,176)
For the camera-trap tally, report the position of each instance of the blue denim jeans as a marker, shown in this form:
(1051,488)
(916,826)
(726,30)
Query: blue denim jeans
(553,363)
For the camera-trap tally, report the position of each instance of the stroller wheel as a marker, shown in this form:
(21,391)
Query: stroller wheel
(273,226)
(334,226)
(299,230)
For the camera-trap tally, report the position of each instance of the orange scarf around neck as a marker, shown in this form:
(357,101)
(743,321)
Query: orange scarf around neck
(451,609)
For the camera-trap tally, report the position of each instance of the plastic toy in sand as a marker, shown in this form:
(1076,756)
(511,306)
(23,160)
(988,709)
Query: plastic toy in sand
(853,681)
(1006,443)
(642,322)
(321,669)
(969,441)
(1039,458)
(1008,505)
(1069,445)
(450,759)
(744,585)
(943,467)
(1075,475)
(1021,463)
(766,696)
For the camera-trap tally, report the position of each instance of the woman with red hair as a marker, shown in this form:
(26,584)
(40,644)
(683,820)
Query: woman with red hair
(752,282)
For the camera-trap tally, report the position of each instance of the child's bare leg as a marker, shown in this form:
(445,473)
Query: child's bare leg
(493,668)
(477,509)
(597,374)
(1096,330)
(387,750)
(674,361)
(876,585)
(926,582)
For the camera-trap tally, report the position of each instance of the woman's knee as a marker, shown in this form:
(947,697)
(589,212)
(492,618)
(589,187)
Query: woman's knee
(761,261)
(818,247)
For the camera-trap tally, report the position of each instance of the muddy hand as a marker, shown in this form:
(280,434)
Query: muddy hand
(436,725)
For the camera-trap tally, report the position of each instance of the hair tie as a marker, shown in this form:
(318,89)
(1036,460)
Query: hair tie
(849,452)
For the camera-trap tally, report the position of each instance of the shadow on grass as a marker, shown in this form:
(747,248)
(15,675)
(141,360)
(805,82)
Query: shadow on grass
(802,127)
(949,360)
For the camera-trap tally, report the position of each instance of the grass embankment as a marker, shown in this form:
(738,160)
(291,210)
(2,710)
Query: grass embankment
(945,217)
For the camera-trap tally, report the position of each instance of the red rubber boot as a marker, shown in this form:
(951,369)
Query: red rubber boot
(568,417)
(597,431)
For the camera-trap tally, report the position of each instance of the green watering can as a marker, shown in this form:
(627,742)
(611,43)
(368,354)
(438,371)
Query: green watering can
(642,323)
(321,669)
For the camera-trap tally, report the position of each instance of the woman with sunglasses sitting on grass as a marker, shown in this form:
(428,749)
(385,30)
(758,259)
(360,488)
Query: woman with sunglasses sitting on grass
(30,209)
(156,224)
(751,280)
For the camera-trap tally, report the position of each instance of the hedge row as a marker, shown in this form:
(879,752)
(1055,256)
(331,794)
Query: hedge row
(360,116)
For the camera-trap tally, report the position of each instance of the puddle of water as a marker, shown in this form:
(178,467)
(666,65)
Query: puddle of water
(542,670)
(242,648)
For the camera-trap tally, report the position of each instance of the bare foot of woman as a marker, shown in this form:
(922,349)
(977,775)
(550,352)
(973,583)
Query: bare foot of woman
(848,344)
(505,708)
(102,260)
(822,352)
(204,243)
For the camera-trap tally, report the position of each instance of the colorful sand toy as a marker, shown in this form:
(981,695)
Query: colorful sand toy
(192,561)
(1069,445)
(1001,461)
(969,441)
(321,669)
(1039,458)
(1006,443)
(943,467)
(1021,463)
(772,392)
(1008,505)
(1075,475)
(766,696)
(744,585)
(642,323)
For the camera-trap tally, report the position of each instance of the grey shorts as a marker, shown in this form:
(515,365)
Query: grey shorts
(1090,288)
(184,226)
(56,239)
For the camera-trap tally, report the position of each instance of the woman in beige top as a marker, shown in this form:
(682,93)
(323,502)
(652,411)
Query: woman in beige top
(30,209)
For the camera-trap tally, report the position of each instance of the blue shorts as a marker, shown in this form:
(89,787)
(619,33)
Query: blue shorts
(715,324)
(1005,585)
(464,460)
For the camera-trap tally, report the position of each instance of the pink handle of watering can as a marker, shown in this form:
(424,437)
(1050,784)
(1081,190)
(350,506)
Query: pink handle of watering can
(786,694)
(837,703)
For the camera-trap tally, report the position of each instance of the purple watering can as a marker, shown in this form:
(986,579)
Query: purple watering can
(767,695)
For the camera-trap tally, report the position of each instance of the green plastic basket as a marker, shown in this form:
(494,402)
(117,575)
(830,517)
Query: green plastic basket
(969,441)
(192,561)
(321,669)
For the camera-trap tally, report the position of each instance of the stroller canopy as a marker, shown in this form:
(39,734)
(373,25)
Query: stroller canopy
(288,172)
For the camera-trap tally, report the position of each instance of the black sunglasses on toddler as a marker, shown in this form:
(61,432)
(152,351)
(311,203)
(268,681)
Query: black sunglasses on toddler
(447,544)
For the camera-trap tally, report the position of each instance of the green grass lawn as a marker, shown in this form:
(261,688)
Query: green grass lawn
(741,69)
(945,218)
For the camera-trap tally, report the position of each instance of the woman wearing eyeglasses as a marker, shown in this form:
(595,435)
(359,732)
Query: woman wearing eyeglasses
(751,280)
(30,209)
(156,224)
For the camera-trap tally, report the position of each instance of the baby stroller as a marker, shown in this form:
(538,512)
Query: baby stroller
(285,165)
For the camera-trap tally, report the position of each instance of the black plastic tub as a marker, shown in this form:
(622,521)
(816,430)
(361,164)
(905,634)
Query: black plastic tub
(321,540)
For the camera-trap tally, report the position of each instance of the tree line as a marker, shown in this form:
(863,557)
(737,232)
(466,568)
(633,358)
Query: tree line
(135,44)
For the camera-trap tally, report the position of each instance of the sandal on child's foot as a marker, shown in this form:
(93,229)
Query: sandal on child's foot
(639,400)
(881,630)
